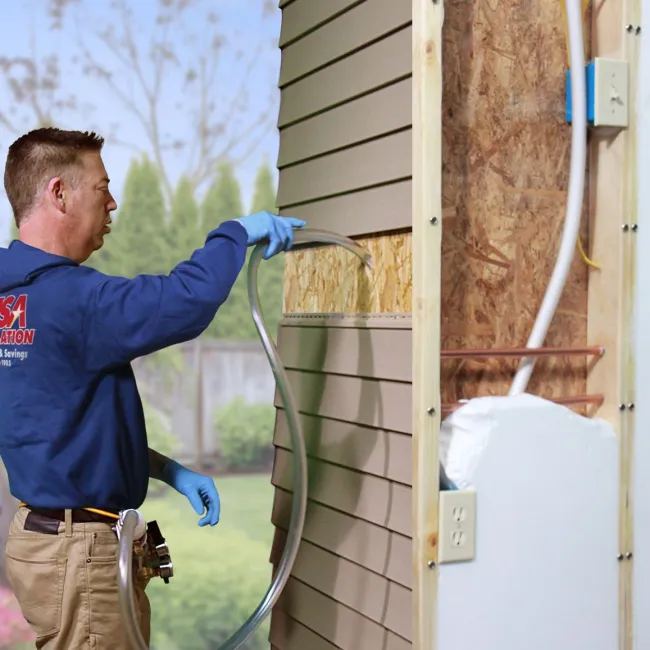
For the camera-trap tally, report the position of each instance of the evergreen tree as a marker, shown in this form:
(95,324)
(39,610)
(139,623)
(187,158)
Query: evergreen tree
(271,272)
(223,202)
(185,233)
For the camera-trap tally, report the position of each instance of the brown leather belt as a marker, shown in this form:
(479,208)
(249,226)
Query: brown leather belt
(79,516)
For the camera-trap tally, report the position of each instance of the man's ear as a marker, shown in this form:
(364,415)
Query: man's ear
(56,193)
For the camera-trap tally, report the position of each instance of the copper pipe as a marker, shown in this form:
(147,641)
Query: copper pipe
(571,400)
(520,353)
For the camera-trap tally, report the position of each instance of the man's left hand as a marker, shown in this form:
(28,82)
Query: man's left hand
(200,490)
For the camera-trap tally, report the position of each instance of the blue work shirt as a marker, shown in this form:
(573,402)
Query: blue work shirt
(72,431)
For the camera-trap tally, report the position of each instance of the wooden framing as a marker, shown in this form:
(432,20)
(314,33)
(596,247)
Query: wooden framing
(613,222)
(428,18)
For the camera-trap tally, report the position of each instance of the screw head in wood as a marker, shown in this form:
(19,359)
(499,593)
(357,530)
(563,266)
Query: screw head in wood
(628,556)
(619,557)
(625,227)
(431,564)
(635,227)
(431,410)
(638,29)
(630,406)
(629,28)
(434,220)
(621,407)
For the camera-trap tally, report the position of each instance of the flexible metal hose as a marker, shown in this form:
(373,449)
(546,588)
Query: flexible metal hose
(299,466)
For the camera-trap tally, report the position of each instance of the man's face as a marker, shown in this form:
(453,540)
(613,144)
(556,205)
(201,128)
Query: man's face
(88,206)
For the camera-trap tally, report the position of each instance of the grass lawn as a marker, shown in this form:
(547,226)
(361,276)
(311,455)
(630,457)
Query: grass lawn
(225,564)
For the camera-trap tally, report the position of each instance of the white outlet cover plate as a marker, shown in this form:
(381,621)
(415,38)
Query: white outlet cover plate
(457,533)
(611,92)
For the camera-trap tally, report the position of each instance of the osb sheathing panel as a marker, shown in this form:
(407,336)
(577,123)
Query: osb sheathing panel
(506,155)
(332,280)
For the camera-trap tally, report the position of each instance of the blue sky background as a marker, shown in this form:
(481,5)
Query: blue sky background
(26,32)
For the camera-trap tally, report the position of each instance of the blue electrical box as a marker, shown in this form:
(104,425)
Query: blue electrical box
(591,84)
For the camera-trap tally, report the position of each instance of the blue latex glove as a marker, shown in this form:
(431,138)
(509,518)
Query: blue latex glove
(278,230)
(199,489)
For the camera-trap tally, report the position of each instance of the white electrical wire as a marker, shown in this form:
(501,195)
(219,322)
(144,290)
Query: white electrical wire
(574,200)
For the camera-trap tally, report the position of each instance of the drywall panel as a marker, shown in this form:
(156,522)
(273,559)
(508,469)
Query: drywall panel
(369,545)
(506,153)
(369,402)
(641,452)
(331,280)
(303,16)
(366,118)
(380,161)
(356,28)
(368,593)
(341,625)
(372,451)
(546,569)
(367,497)
(388,206)
(376,353)
(368,69)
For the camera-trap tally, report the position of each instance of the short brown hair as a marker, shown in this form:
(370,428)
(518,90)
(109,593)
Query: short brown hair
(37,157)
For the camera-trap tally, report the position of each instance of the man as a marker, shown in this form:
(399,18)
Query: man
(73,438)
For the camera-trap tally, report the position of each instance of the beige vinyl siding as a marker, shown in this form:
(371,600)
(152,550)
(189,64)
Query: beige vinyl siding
(370,545)
(303,16)
(360,26)
(342,626)
(345,115)
(353,572)
(373,451)
(370,402)
(382,112)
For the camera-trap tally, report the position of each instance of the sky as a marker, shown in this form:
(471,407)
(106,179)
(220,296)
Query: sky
(26,32)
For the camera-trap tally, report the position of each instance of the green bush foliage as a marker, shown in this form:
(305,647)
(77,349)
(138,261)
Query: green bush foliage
(245,433)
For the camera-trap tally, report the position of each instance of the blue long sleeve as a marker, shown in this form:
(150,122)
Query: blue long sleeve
(130,318)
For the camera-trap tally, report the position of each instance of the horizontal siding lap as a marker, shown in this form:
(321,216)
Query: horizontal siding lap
(366,118)
(360,73)
(363,352)
(372,546)
(374,499)
(288,634)
(305,15)
(372,451)
(341,625)
(378,162)
(387,207)
(370,402)
(352,585)
(360,25)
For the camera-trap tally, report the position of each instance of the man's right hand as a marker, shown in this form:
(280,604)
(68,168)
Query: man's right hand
(278,230)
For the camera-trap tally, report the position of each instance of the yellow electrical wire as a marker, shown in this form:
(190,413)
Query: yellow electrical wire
(585,6)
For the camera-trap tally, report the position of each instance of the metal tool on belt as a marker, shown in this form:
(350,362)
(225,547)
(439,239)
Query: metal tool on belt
(149,548)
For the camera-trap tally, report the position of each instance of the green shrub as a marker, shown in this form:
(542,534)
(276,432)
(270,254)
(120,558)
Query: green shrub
(218,582)
(159,432)
(245,433)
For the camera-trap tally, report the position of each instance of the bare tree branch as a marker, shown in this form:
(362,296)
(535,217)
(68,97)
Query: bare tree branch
(8,123)
(137,71)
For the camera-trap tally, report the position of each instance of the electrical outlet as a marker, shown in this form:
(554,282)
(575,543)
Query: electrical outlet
(457,526)
(611,94)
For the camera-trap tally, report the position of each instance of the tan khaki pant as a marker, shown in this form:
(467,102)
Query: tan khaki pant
(66,586)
